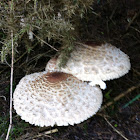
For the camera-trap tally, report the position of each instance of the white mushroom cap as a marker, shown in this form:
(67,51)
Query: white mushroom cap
(48,99)
(96,63)
(51,65)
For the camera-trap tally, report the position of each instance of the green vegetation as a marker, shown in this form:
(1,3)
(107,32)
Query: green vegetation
(107,95)
(41,21)
(132,101)
(3,125)
(17,129)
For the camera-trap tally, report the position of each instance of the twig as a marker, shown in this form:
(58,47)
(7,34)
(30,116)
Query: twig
(138,73)
(115,129)
(134,17)
(11,87)
(17,60)
(3,97)
(120,96)
(113,12)
(45,42)
(135,29)
(46,133)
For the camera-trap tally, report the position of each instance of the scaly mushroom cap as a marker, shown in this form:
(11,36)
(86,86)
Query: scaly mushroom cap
(96,63)
(46,99)
(51,65)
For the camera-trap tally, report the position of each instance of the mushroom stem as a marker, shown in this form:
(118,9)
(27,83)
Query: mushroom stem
(100,83)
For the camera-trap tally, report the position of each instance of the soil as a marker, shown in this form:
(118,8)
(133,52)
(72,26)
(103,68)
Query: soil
(113,21)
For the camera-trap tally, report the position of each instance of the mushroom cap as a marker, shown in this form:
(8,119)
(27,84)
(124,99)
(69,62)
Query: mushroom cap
(48,99)
(96,62)
(51,65)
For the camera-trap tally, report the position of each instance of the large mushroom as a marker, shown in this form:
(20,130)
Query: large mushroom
(51,65)
(95,63)
(55,98)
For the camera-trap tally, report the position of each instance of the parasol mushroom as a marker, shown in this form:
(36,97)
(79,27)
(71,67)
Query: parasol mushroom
(55,98)
(95,63)
(51,65)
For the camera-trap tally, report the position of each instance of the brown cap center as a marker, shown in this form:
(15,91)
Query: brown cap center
(54,77)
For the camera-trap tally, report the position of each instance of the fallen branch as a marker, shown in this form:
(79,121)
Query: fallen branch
(120,96)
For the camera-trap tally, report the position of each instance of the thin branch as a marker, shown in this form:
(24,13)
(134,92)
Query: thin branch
(46,133)
(11,86)
(135,29)
(16,60)
(45,42)
(134,17)
(3,97)
(120,96)
(138,73)
(115,129)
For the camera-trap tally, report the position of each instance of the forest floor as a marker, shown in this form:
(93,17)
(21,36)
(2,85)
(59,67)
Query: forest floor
(111,21)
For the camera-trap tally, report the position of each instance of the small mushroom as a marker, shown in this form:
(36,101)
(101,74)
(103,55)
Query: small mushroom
(55,98)
(95,63)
